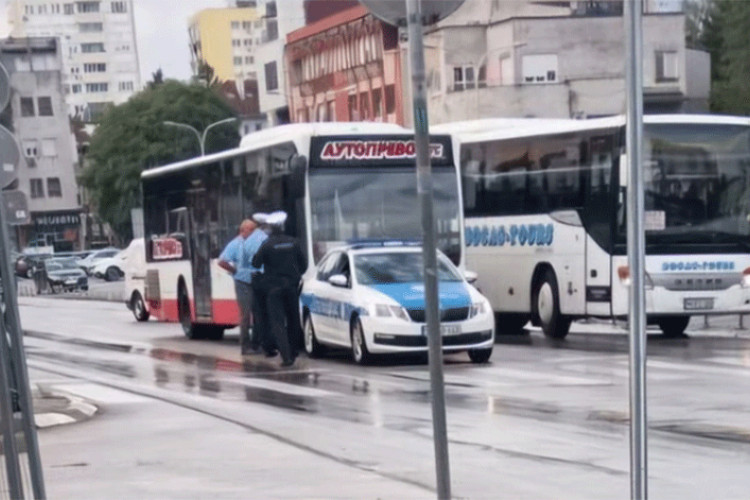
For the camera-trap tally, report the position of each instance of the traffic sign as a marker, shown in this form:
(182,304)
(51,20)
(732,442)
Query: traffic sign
(10,156)
(394,11)
(16,208)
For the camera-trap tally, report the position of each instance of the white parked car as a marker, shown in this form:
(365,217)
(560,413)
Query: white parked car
(371,299)
(92,259)
(110,268)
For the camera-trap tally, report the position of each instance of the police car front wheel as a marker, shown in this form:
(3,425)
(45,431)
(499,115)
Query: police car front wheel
(359,346)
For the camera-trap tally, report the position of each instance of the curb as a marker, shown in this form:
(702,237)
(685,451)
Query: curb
(75,410)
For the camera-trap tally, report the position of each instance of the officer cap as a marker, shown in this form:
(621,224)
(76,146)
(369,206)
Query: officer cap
(276,218)
(260,217)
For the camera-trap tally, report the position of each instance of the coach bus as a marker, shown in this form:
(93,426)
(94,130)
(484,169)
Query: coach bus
(545,212)
(337,182)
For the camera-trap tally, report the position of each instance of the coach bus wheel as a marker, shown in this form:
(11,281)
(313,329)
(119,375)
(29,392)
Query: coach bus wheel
(192,330)
(673,326)
(510,324)
(359,346)
(547,302)
(312,346)
(139,307)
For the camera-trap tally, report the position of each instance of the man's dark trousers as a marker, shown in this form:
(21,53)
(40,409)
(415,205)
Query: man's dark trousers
(283,313)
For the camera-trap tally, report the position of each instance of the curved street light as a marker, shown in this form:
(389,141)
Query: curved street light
(201,137)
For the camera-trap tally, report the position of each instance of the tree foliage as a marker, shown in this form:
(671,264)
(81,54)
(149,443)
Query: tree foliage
(131,137)
(726,35)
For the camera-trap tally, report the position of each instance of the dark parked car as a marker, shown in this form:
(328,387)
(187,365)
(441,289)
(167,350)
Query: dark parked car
(65,275)
(25,264)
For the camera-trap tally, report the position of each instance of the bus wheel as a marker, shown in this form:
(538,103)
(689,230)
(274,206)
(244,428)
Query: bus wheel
(510,324)
(211,332)
(192,330)
(139,307)
(673,326)
(546,300)
(479,356)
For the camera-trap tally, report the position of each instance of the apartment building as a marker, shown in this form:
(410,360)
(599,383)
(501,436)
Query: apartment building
(40,122)
(97,44)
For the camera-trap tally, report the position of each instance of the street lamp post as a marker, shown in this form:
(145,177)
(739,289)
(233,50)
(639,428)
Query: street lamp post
(201,137)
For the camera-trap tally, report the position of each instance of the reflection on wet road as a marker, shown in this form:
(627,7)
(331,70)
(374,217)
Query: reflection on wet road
(540,404)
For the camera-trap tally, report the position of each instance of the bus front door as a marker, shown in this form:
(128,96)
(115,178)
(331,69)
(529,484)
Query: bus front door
(200,255)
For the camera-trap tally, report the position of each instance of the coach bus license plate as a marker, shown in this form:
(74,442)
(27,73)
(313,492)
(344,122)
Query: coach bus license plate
(697,304)
(444,330)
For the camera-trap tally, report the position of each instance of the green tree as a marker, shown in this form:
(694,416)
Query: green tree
(131,137)
(726,35)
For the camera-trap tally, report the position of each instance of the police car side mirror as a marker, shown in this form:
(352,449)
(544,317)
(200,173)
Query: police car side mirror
(339,280)
(471,277)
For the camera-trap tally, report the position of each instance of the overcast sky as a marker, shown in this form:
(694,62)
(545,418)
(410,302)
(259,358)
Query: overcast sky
(161,29)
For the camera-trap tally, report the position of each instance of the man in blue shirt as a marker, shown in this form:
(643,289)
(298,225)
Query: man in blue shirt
(237,259)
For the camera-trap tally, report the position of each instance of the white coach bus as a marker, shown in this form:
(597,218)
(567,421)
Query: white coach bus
(338,182)
(545,214)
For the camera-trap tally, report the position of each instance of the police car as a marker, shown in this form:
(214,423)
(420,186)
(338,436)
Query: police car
(370,298)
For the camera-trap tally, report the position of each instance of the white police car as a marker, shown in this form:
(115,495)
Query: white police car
(371,299)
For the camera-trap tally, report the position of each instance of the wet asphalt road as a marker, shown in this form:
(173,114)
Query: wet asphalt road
(543,420)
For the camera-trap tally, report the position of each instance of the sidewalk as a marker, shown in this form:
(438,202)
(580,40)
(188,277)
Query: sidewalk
(54,408)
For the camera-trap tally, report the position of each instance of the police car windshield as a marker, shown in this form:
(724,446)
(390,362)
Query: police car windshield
(386,268)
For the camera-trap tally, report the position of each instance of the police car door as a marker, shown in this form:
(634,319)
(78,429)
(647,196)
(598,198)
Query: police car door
(322,306)
(342,300)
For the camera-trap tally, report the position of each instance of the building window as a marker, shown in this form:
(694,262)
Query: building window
(45,106)
(539,68)
(271,32)
(68,9)
(37,188)
(482,77)
(97,87)
(126,86)
(94,67)
(49,147)
(247,25)
(76,87)
(86,7)
(235,25)
(54,190)
(27,106)
(90,27)
(352,105)
(248,42)
(667,68)
(249,60)
(390,99)
(377,104)
(30,148)
(272,79)
(237,61)
(271,9)
(236,43)
(119,7)
(463,78)
(88,48)
(364,106)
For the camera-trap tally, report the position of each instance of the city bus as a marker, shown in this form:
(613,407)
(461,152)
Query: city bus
(545,211)
(338,182)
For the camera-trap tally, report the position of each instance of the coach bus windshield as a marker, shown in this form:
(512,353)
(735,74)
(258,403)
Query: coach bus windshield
(697,184)
(380,203)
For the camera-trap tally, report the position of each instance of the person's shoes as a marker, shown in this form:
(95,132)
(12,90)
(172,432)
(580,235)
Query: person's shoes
(272,353)
(287,363)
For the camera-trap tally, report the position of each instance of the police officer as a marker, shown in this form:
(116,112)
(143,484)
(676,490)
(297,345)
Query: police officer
(283,263)
(261,328)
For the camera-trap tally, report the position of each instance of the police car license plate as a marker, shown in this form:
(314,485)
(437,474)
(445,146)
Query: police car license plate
(72,281)
(444,330)
(698,304)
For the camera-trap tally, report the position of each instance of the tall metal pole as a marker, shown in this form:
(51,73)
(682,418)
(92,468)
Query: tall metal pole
(636,248)
(7,420)
(19,367)
(424,188)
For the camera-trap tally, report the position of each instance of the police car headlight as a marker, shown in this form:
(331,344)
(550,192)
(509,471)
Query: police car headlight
(382,310)
(476,308)
(399,312)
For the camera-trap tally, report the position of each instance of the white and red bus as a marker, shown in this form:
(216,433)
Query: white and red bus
(337,182)
(544,202)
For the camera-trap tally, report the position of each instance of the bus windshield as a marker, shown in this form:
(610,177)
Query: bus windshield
(380,203)
(697,183)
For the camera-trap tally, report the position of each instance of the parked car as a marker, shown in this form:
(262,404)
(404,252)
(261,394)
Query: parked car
(370,299)
(88,263)
(25,264)
(63,274)
(110,268)
(135,279)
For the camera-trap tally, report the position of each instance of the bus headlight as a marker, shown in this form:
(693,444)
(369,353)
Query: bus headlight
(623,272)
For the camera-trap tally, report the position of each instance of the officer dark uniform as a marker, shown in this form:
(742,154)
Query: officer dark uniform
(283,263)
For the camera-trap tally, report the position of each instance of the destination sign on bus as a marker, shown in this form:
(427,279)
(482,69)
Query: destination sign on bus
(375,150)
(166,249)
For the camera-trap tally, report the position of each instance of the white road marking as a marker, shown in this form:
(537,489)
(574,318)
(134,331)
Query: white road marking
(43,420)
(291,389)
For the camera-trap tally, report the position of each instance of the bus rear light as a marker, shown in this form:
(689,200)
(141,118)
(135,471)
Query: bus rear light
(623,272)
